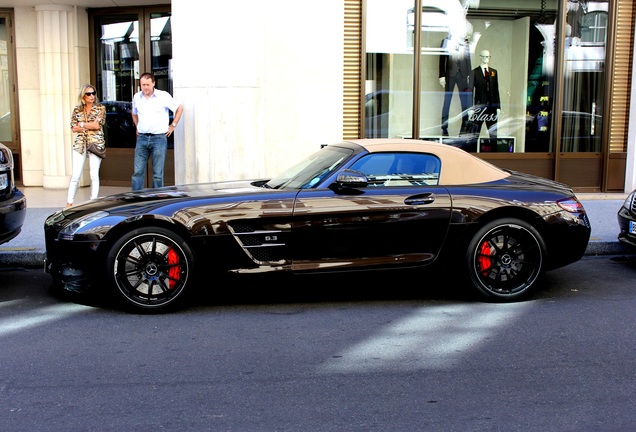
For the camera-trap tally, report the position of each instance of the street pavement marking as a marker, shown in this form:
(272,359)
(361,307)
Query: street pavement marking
(39,316)
(433,337)
(9,303)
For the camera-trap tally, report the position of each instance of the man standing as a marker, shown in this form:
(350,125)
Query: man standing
(150,113)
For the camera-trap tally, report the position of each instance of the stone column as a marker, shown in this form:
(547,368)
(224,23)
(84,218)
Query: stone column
(221,134)
(56,29)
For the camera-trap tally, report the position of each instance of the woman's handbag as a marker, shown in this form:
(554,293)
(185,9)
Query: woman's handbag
(96,149)
(91,146)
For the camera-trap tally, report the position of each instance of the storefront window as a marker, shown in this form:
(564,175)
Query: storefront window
(486,73)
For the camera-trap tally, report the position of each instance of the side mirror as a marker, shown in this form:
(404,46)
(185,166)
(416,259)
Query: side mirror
(350,179)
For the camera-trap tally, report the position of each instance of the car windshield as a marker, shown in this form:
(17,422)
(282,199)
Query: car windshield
(310,171)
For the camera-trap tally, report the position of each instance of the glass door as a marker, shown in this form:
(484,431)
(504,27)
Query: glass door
(117,75)
(580,160)
(584,76)
(127,44)
(161,50)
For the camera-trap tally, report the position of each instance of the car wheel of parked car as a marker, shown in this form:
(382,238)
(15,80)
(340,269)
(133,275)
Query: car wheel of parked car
(150,268)
(505,258)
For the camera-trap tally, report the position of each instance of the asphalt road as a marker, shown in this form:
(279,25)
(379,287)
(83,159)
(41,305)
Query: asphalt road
(326,355)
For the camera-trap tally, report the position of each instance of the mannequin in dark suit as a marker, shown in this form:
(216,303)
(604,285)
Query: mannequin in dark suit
(454,71)
(484,82)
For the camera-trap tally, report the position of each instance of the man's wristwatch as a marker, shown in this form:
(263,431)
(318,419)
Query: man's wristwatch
(174,125)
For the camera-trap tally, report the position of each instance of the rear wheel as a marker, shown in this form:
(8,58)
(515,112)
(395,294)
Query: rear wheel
(150,268)
(505,259)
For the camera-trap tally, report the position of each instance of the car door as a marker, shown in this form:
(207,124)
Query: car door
(400,219)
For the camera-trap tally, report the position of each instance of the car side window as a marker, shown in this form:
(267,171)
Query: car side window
(399,169)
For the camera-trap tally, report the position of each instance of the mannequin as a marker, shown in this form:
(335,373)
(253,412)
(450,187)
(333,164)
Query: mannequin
(454,71)
(484,83)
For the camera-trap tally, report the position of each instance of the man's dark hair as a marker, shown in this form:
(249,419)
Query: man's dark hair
(147,75)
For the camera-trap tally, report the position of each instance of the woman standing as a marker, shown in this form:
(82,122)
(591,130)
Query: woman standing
(87,122)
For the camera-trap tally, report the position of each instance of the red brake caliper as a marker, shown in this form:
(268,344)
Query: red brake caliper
(175,270)
(484,259)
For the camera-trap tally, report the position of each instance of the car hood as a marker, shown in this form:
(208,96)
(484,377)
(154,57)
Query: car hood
(146,198)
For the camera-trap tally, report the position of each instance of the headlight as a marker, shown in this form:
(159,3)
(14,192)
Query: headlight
(69,231)
(4,181)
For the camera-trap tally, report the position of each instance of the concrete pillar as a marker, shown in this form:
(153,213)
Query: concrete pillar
(57,76)
(221,88)
(261,84)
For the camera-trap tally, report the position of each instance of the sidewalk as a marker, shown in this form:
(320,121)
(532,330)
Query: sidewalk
(27,249)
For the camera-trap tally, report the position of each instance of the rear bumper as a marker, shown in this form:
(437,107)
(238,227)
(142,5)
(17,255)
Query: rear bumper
(12,216)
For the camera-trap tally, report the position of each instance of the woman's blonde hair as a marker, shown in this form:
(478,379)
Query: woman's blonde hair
(85,88)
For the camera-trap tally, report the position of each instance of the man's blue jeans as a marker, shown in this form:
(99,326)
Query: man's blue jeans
(149,145)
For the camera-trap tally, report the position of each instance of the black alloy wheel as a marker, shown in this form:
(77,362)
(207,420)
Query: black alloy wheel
(505,259)
(151,268)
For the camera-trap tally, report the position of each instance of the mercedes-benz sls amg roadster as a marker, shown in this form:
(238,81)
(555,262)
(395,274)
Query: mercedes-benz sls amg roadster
(375,204)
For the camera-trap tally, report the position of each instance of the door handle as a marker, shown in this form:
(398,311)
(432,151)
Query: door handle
(420,199)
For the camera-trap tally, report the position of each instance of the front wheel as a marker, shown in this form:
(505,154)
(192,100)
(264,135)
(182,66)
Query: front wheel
(150,268)
(505,259)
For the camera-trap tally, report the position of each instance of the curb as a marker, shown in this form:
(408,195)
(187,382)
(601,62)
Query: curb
(27,257)
(608,248)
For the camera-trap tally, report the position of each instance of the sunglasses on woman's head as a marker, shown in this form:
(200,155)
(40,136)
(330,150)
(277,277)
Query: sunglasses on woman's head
(89,93)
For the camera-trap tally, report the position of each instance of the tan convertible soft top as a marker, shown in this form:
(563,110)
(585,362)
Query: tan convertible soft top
(457,166)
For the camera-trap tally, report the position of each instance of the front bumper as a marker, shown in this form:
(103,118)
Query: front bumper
(627,227)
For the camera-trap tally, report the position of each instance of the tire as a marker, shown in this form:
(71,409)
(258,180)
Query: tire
(150,269)
(505,260)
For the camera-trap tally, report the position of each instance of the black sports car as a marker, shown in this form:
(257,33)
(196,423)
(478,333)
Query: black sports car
(354,205)
(13,204)
(627,220)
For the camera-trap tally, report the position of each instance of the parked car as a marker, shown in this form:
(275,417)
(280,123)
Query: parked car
(120,130)
(13,203)
(627,220)
(374,204)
